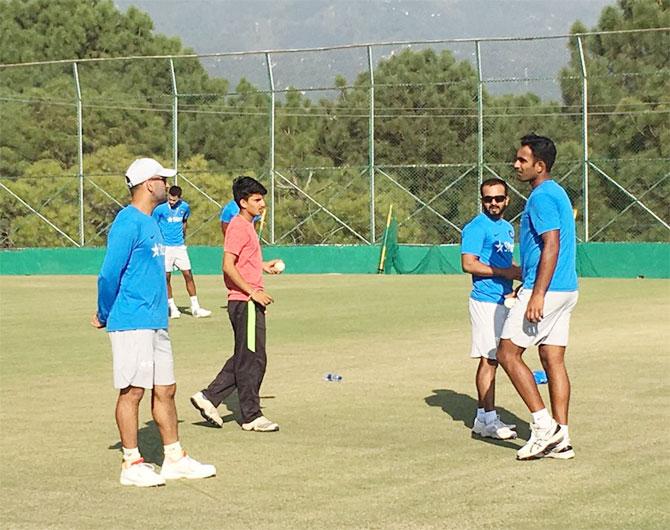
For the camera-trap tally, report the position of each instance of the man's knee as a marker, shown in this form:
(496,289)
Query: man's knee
(188,275)
(490,364)
(164,392)
(507,352)
(131,393)
(552,355)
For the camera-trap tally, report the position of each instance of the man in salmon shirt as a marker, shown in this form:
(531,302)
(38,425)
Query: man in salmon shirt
(243,268)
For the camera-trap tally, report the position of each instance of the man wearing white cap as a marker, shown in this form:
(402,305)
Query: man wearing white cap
(132,305)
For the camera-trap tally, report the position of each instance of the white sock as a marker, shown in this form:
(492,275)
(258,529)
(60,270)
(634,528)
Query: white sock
(490,416)
(542,418)
(566,433)
(480,414)
(194,303)
(173,452)
(131,455)
(172,304)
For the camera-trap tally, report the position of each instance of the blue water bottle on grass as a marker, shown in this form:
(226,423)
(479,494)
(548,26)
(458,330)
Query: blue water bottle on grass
(540,377)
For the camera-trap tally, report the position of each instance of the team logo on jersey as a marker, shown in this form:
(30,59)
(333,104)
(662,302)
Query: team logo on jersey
(504,246)
(157,250)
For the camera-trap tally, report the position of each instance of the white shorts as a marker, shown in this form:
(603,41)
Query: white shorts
(552,329)
(487,321)
(177,258)
(142,358)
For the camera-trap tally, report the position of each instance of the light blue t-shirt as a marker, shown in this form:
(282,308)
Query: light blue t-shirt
(492,241)
(548,208)
(230,210)
(132,293)
(171,221)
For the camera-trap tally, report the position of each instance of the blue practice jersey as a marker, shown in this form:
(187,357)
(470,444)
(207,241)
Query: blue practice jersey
(230,210)
(171,221)
(548,208)
(493,243)
(132,293)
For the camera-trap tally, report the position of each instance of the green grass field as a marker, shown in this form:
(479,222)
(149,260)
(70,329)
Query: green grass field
(388,447)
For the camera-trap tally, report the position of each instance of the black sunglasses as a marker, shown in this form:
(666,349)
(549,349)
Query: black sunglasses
(497,198)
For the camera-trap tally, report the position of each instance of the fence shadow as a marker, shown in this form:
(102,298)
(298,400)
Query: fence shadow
(462,407)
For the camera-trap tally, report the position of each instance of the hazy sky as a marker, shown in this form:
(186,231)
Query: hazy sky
(233,25)
(249,25)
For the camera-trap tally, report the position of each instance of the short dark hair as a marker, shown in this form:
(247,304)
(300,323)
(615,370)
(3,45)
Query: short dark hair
(244,187)
(133,189)
(543,148)
(493,182)
(175,191)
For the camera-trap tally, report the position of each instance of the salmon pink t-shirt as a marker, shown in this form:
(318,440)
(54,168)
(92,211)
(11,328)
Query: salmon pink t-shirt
(242,241)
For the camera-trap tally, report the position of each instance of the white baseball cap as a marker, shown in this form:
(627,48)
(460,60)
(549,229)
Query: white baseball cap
(144,168)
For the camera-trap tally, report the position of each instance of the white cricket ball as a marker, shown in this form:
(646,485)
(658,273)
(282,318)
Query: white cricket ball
(509,302)
(279,266)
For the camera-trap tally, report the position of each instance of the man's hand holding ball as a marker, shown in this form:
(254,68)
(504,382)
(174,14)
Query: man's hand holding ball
(275,266)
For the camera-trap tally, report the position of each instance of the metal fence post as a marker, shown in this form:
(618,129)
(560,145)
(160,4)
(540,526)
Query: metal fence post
(585,140)
(175,122)
(271,154)
(371,146)
(80,153)
(480,123)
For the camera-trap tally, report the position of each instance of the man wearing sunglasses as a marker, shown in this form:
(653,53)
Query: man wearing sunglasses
(486,253)
(132,305)
(541,315)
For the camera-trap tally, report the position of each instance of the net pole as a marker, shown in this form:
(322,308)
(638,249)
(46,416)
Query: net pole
(80,152)
(371,145)
(480,121)
(175,122)
(585,139)
(271,153)
(382,257)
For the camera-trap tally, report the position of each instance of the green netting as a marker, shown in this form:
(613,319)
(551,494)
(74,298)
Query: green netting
(605,260)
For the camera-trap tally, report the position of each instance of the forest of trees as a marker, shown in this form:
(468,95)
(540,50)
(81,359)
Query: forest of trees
(425,130)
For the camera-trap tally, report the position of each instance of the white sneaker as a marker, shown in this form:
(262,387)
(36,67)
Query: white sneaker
(207,409)
(140,474)
(174,312)
(186,467)
(200,312)
(563,451)
(478,426)
(541,441)
(260,424)
(496,429)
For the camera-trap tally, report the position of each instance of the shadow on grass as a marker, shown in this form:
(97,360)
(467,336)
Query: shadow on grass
(232,403)
(186,310)
(232,417)
(462,407)
(149,442)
